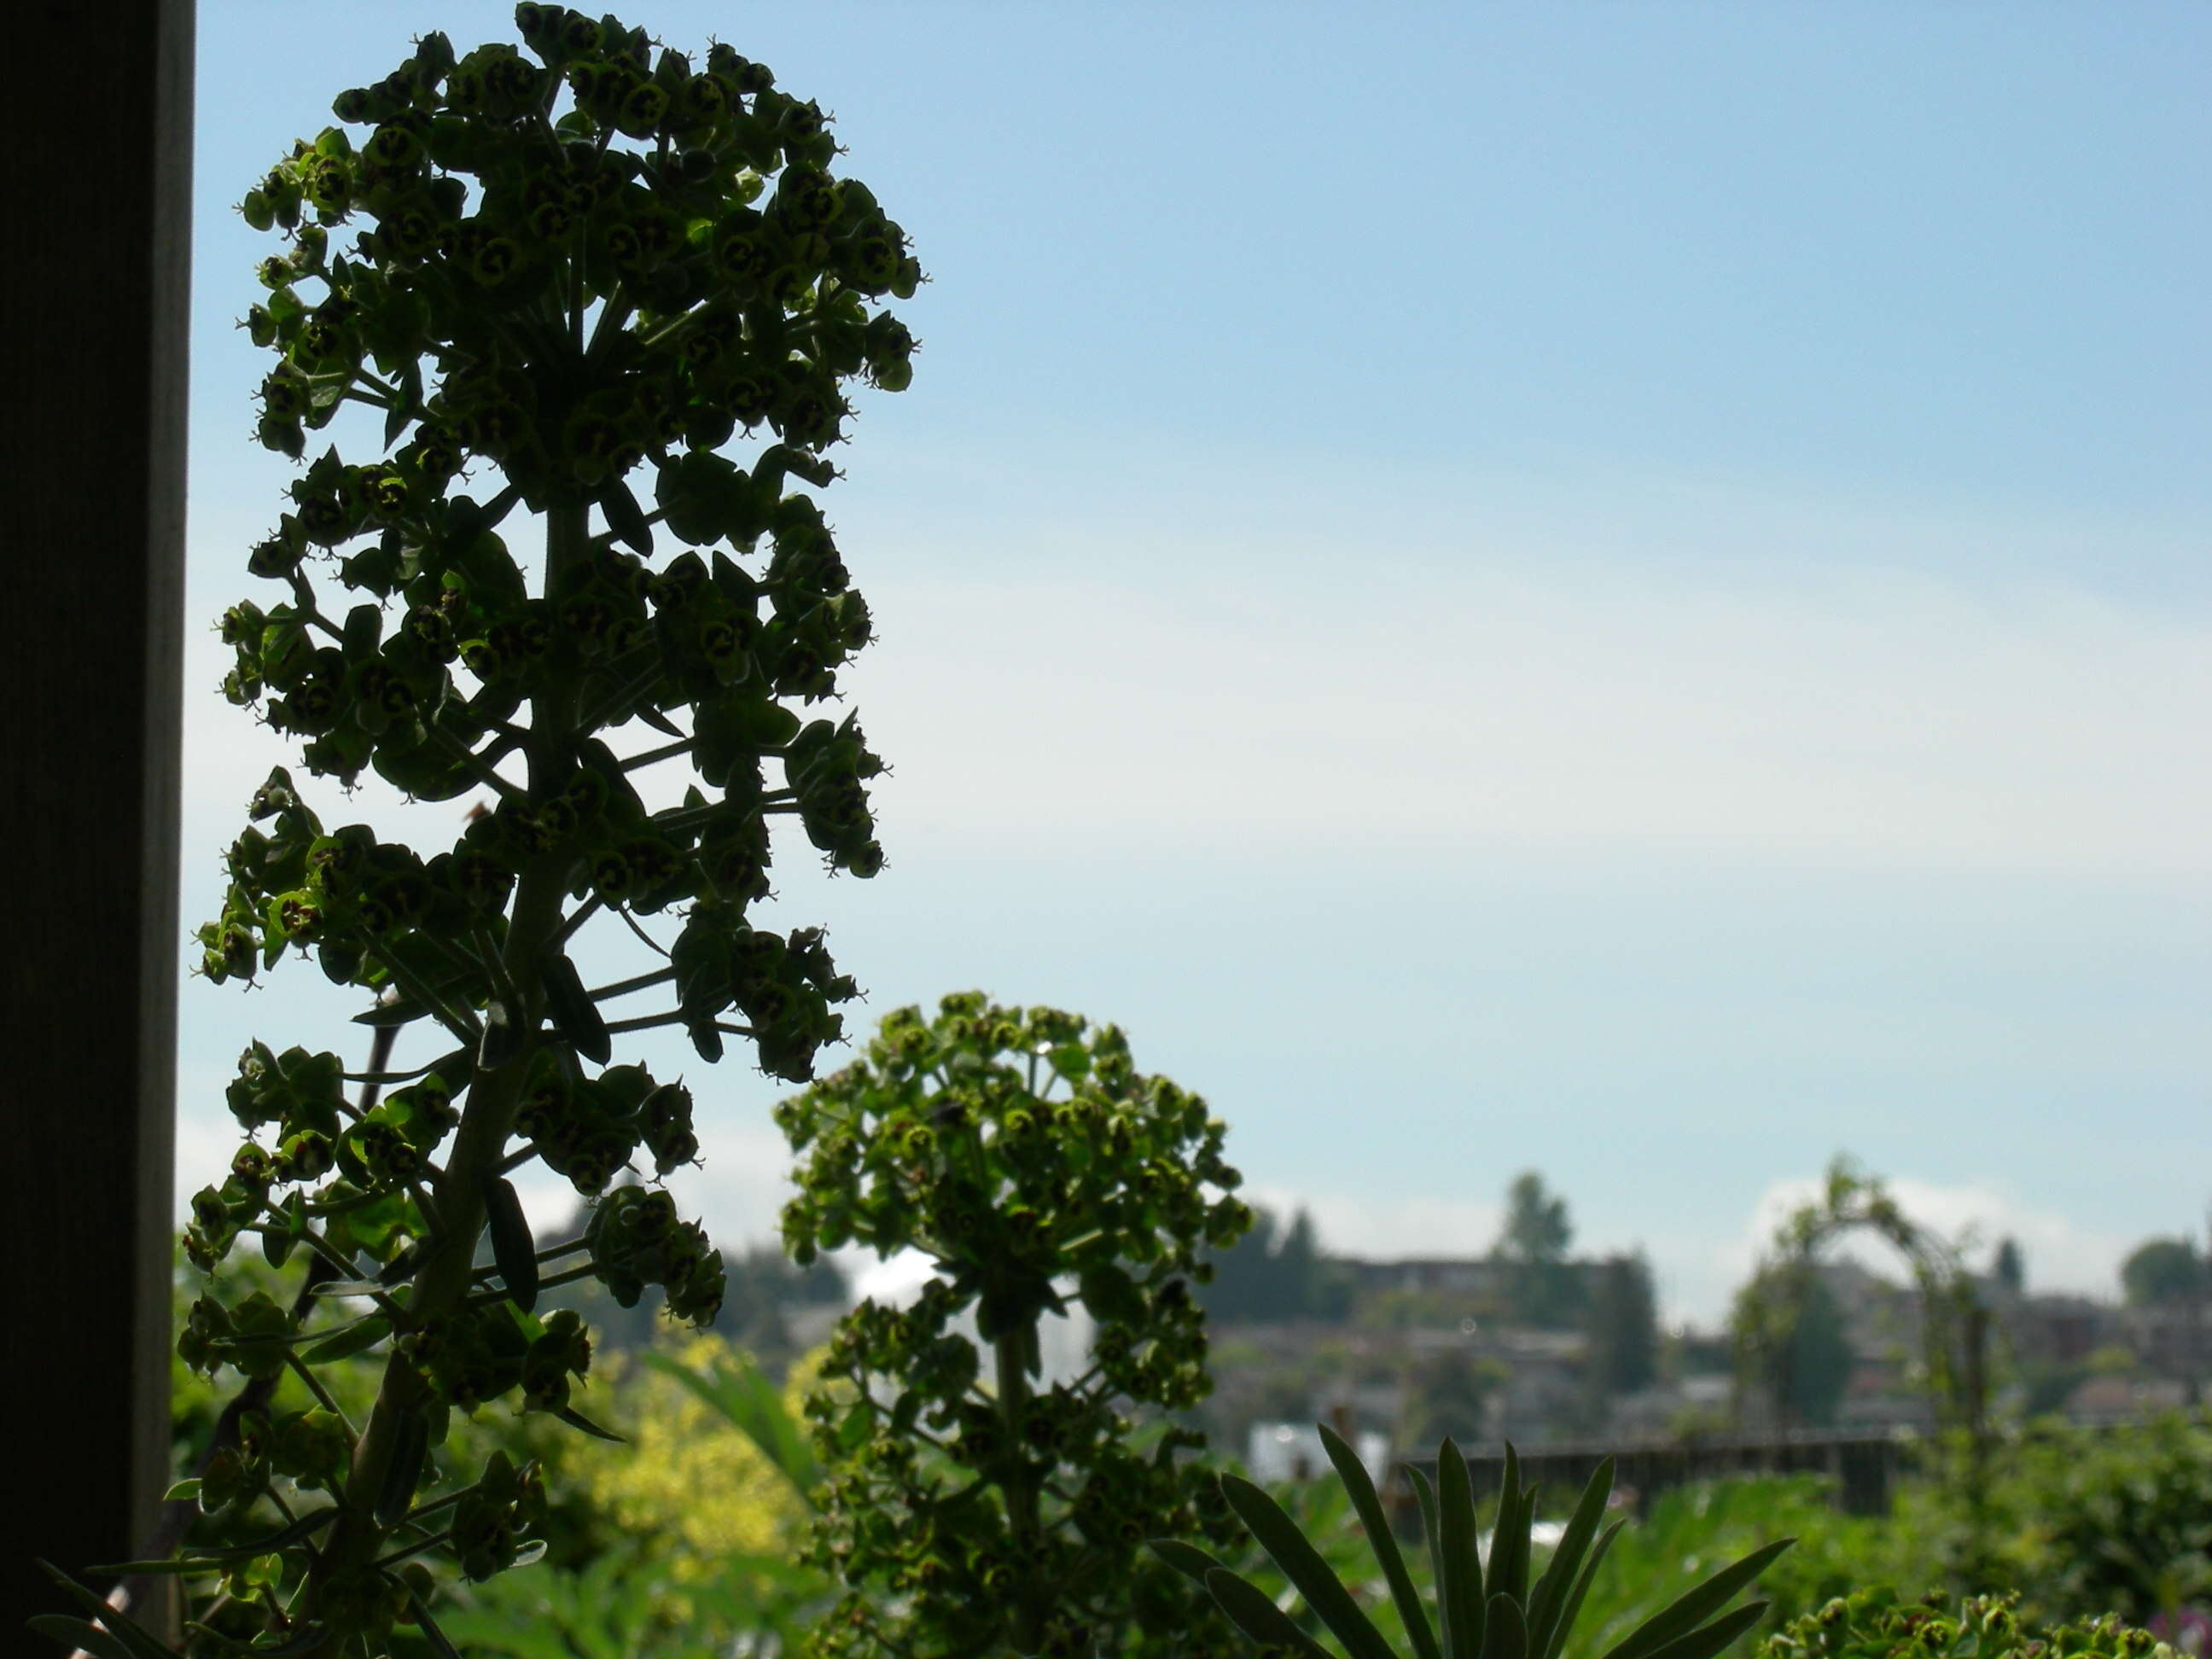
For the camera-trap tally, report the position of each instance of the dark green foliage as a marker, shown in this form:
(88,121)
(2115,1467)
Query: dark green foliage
(1878,1624)
(1275,1274)
(1545,1288)
(1623,1323)
(2119,1521)
(2009,1268)
(2163,1270)
(1806,1365)
(972,1508)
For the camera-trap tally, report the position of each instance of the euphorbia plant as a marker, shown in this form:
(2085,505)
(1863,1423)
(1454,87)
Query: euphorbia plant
(973,1506)
(550,271)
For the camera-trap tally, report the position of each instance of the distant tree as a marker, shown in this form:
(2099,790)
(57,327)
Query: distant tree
(1820,1358)
(1276,1274)
(1537,1228)
(1239,1292)
(1546,1289)
(2163,1270)
(1623,1322)
(1297,1268)
(1791,1342)
(2010,1269)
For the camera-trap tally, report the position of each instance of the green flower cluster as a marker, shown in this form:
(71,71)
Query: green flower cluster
(971,1508)
(1878,1624)
(547,268)
(747,264)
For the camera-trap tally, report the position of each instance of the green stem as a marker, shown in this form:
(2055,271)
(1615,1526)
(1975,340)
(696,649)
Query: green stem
(443,1280)
(622,987)
(1022,1519)
(644,937)
(483,1298)
(645,1023)
(443,1061)
(653,756)
(322,1394)
(415,1548)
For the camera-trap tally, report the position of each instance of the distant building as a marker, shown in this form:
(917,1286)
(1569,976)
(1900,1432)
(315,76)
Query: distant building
(2170,1339)
(1476,1279)
(2060,1330)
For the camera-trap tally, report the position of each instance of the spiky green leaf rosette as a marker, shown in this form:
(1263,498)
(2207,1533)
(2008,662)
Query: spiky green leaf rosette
(1487,1606)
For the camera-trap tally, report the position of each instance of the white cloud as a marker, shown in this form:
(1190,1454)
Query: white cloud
(1883,721)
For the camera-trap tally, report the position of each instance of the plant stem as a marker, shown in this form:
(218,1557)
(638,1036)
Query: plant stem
(443,1281)
(653,756)
(1031,1598)
(622,987)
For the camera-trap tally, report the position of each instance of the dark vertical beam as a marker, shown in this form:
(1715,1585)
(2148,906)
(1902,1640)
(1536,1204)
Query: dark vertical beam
(96,201)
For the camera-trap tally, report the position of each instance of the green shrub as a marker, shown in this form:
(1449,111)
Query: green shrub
(1878,1624)
(973,1506)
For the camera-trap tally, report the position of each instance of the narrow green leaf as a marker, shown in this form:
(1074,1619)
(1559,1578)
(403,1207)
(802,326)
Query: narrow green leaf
(402,1013)
(182,1490)
(1509,1534)
(214,1560)
(330,1287)
(1505,1634)
(576,1419)
(1516,1581)
(349,1339)
(410,1444)
(1550,1594)
(625,517)
(1459,1556)
(1361,1489)
(1302,1565)
(575,1016)
(1251,1612)
(1562,1626)
(1686,1612)
(440,1643)
(1708,1640)
(513,1249)
(1186,1558)
(1433,1533)
(76,1633)
(133,1638)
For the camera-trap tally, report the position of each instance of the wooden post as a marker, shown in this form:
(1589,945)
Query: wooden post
(97,205)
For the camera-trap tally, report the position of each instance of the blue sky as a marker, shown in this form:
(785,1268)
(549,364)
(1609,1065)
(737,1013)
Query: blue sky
(1615,590)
